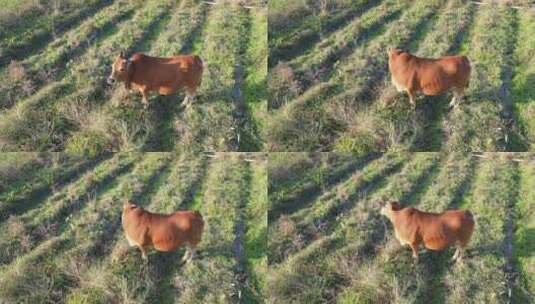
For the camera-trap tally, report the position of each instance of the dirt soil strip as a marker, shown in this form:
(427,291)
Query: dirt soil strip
(240,268)
(511,270)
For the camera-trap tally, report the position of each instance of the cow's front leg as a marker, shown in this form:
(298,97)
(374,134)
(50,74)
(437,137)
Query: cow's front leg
(458,96)
(144,99)
(453,101)
(458,256)
(414,247)
(192,253)
(143,253)
(186,100)
(187,256)
(190,96)
(412,98)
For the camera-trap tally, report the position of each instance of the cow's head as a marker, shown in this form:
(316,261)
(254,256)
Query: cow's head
(127,205)
(394,52)
(121,70)
(389,207)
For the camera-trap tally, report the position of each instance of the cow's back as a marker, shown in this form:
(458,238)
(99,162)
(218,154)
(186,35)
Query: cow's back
(440,231)
(167,75)
(180,228)
(430,76)
(461,222)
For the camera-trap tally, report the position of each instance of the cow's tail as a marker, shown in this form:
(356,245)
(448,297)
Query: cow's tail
(199,217)
(467,67)
(200,63)
(198,223)
(470,217)
(470,223)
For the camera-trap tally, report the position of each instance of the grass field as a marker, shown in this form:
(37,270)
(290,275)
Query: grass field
(334,93)
(335,247)
(63,242)
(53,96)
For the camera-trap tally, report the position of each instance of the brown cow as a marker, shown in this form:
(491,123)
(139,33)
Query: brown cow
(162,232)
(436,231)
(163,75)
(429,76)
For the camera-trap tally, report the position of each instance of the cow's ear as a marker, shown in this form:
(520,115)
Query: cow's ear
(122,55)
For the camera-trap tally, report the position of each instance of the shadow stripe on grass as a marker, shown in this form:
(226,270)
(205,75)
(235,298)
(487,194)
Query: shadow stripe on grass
(37,196)
(41,219)
(60,61)
(312,191)
(41,38)
(317,223)
(307,38)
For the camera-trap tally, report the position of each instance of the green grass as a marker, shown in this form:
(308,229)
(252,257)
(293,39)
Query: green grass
(37,69)
(318,22)
(481,276)
(45,182)
(310,222)
(321,270)
(335,94)
(477,125)
(81,237)
(255,239)
(30,228)
(254,86)
(214,278)
(216,122)
(57,99)
(524,235)
(325,175)
(353,256)
(312,122)
(523,82)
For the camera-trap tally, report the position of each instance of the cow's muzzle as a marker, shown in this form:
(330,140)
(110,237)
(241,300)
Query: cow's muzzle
(110,81)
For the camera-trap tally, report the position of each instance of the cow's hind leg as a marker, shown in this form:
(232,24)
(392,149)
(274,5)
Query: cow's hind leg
(186,256)
(459,253)
(458,95)
(189,254)
(190,96)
